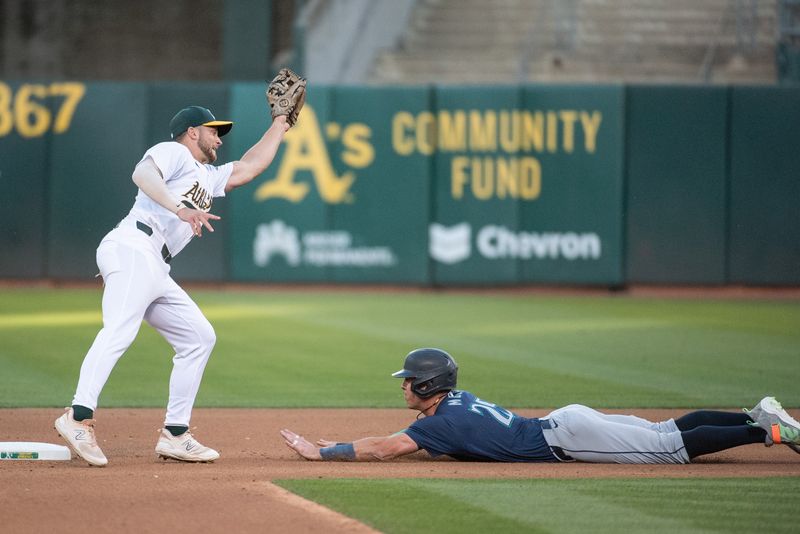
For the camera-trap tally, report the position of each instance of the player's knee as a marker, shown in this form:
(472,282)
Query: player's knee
(207,336)
(118,335)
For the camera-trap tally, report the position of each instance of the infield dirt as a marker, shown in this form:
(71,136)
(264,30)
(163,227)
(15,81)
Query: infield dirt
(136,492)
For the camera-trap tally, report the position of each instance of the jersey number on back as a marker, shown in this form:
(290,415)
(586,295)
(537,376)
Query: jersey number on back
(501,415)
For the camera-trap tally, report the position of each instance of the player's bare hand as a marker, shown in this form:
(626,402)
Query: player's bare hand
(301,445)
(197,219)
(326,443)
(280,120)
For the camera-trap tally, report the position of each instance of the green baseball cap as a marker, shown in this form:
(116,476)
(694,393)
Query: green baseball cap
(195,116)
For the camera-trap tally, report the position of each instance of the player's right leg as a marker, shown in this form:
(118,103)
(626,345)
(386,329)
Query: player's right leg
(711,431)
(131,283)
(709,439)
(79,435)
(131,280)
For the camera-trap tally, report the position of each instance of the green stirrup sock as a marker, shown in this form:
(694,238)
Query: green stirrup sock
(79,413)
(177,430)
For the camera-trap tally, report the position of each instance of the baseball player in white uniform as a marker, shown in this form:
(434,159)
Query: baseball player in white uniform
(177,183)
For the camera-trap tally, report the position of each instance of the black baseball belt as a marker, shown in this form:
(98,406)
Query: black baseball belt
(149,231)
(558,452)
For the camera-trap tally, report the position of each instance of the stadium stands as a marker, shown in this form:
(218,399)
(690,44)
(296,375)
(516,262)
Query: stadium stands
(647,41)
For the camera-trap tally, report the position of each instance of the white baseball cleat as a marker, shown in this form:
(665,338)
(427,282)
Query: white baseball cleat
(184,448)
(79,435)
(779,425)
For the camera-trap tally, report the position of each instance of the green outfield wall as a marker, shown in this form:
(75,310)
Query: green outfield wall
(24,167)
(764,205)
(427,185)
(676,140)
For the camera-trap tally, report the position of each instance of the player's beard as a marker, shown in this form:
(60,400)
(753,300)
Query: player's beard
(208,150)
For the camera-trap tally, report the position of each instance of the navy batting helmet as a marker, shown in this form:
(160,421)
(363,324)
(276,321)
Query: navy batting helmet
(433,370)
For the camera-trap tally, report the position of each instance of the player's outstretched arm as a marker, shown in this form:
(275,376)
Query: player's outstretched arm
(365,449)
(259,156)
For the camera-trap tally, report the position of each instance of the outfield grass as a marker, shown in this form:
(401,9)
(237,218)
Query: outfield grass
(328,349)
(589,505)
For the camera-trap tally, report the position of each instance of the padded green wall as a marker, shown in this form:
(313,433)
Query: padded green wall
(466,191)
(580,206)
(90,174)
(24,166)
(765,186)
(387,209)
(676,184)
(423,185)
(338,204)
(274,215)
(90,167)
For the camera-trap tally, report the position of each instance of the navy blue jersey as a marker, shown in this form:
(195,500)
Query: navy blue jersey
(465,427)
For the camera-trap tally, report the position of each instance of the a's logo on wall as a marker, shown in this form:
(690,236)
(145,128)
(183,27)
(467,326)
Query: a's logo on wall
(316,248)
(450,244)
(306,153)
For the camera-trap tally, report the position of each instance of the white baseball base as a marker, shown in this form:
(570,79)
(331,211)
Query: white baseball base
(28,450)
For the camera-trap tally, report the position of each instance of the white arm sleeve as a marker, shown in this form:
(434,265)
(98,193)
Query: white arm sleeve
(148,178)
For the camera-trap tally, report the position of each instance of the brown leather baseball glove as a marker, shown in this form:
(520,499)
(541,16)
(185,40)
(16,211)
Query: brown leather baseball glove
(286,95)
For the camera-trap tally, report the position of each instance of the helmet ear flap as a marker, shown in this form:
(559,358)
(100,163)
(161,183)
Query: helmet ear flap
(423,388)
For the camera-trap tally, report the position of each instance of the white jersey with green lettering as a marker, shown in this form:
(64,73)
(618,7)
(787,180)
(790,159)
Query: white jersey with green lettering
(193,183)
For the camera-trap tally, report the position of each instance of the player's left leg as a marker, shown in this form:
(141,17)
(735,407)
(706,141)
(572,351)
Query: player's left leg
(711,418)
(632,420)
(176,317)
(686,422)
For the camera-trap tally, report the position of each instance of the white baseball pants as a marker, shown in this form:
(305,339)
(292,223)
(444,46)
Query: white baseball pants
(138,286)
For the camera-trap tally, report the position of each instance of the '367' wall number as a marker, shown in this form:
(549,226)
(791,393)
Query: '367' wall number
(27,110)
